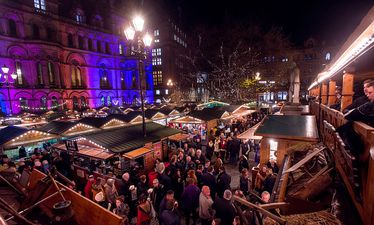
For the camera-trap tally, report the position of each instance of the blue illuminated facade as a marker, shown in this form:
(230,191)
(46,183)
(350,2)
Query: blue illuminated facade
(67,56)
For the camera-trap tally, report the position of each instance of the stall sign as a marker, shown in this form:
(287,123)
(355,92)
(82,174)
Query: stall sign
(71,145)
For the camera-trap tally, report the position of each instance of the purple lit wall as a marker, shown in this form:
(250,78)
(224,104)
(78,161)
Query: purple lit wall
(55,74)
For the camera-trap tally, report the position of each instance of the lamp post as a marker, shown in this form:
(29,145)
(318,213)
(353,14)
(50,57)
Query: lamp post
(257,78)
(7,83)
(135,34)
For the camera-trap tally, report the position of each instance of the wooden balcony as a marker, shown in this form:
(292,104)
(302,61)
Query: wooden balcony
(357,173)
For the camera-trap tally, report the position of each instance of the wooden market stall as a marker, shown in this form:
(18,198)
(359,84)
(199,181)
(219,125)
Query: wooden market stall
(126,141)
(202,120)
(282,132)
(12,137)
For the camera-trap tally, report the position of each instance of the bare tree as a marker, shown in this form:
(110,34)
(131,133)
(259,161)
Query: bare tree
(232,58)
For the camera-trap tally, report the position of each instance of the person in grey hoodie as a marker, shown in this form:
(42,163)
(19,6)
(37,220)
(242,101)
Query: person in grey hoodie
(206,211)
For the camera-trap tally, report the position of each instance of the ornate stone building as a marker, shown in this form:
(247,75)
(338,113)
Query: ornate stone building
(67,54)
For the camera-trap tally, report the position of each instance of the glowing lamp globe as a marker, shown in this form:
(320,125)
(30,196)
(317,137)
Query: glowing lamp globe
(147,40)
(5,69)
(138,23)
(130,33)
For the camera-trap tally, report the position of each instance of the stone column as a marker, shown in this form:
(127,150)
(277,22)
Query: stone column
(324,93)
(332,96)
(347,90)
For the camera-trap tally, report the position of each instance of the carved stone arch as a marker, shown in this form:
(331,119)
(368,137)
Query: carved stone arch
(14,16)
(107,93)
(104,61)
(17,51)
(23,94)
(56,94)
(74,56)
(40,94)
(78,94)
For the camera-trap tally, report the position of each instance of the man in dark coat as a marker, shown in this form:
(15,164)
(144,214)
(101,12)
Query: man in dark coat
(169,216)
(157,194)
(224,208)
(223,181)
(209,180)
(124,187)
(269,181)
(365,112)
(360,100)
(190,201)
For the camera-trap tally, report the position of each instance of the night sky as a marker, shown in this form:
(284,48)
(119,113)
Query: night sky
(326,20)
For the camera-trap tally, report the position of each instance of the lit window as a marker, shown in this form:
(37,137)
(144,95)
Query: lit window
(153,52)
(79,16)
(159,77)
(159,61)
(39,4)
(120,48)
(328,56)
(157,40)
(157,92)
(166,91)
(154,73)
(175,37)
(158,51)
(154,61)
(156,33)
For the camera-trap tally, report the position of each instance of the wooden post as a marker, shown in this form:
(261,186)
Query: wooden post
(332,96)
(324,94)
(347,90)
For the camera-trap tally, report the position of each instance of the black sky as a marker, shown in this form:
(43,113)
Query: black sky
(326,20)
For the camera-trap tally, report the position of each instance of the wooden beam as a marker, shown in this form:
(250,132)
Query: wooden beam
(332,97)
(347,90)
(324,93)
(304,160)
(275,205)
(259,209)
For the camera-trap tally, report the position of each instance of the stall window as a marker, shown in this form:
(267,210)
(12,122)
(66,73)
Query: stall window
(273,149)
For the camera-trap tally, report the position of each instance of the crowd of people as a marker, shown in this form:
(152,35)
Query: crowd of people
(192,185)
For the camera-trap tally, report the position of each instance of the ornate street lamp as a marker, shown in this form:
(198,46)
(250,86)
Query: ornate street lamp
(7,83)
(136,34)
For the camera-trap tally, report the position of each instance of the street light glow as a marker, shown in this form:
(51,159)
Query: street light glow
(5,69)
(14,76)
(147,40)
(130,33)
(138,23)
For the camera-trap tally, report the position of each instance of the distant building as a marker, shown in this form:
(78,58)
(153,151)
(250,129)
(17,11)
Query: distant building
(170,45)
(67,54)
(310,59)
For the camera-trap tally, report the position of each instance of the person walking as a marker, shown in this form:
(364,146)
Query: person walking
(206,211)
(190,201)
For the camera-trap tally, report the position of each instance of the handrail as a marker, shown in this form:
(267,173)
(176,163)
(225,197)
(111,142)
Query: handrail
(366,175)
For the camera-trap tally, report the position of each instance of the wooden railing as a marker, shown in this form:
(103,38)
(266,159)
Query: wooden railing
(359,182)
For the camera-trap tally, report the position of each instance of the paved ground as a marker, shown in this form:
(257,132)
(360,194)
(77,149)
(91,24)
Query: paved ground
(234,170)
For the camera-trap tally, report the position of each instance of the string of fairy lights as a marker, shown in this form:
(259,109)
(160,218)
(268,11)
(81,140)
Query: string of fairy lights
(23,107)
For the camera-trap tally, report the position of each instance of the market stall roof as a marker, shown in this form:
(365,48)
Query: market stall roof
(169,111)
(10,132)
(136,153)
(208,114)
(154,114)
(234,108)
(11,137)
(179,137)
(88,151)
(57,127)
(289,127)
(125,139)
(94,121)
(250,133)
(131,117)
(66,127)
(212,104)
